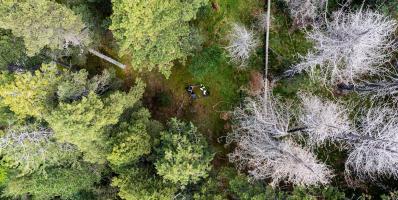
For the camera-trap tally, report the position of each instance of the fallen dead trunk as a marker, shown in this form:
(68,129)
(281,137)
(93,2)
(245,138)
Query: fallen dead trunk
(107,58)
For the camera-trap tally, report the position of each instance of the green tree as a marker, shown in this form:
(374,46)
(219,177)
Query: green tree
(75,85)
(31,94)
(210,190)
(229,182)
(154,32)
(132,140)
(83,122)
(239,186)
(12,49)
(38,23)
(391,196)
(3,175)
(73,88)
(7,117)
(36,94)
(61,182)
(184,156)
(331,193)
(140,183)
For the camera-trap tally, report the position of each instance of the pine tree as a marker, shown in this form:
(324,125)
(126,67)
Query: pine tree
(154,32)
(184,157)
(83,122)
(38,23)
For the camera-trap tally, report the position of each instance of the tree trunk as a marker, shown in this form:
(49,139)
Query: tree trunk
(369,87)
(297,129)
(107,58)
(266,43)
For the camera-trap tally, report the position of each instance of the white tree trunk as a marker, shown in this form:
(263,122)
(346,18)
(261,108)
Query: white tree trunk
(107,58)
(267,41)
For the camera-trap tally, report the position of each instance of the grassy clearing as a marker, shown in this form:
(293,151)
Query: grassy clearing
(211,67)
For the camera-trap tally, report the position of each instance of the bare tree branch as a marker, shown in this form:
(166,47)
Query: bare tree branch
(259,126)
(376,154)
(305,12)
(31,148)
(349,46)
(242,43)
(324,120)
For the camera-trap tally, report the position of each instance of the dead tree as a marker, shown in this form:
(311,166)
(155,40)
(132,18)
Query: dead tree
(349,46)
(260,127)
(323,120)
(242,43)
(264,146)
(107,58)
(305,12)
(372,147)
(375,152)
(31,148)
(83,40)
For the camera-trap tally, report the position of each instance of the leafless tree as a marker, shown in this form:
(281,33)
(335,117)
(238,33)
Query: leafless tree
(265,114)
(262,21)
(349,46)
(264,145)
(242,43)
(24,134)
(323,120)
(30,148)
(372,147)
(279,160)
(305,12)
(375,149)
(261,125)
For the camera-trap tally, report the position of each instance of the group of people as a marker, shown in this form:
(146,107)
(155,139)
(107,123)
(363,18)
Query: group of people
(190,90)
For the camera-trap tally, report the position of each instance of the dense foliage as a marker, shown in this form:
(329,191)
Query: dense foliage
(321,125)
(37,22)
(184,157)
(62,182)
(12,49)
(154,33)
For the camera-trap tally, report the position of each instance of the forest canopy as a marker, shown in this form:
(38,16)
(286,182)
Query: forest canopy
(198,99)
